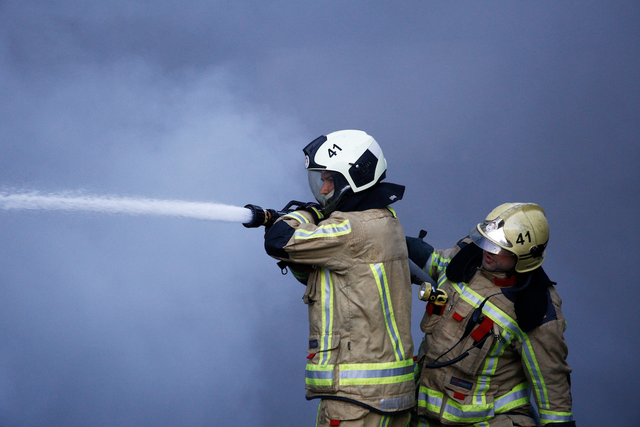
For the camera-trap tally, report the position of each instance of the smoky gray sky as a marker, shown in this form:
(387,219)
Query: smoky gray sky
(137,320)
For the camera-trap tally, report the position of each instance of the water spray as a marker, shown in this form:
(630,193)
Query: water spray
(251,216)
(68,201)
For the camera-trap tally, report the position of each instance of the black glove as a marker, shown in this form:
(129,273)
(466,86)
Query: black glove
(315,210)
(419,250)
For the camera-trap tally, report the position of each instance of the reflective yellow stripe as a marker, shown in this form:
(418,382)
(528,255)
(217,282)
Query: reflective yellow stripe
(506,322)
(329,230)
(430,399)
(392,211)
(473,413)
(322,373)
(387,309)
(490,366)
(454,411)
(437,263)
(376,373)
(327,315)
(518,396)
(550,417)
(319,375)
(318,213)
(298,217)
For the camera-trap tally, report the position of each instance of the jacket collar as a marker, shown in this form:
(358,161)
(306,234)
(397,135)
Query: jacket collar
(377,197)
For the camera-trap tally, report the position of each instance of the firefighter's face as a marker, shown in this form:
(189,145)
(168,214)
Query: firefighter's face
(327,183)
(500,262)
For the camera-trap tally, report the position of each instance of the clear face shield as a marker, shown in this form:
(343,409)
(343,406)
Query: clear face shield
(327,187)
(494,232)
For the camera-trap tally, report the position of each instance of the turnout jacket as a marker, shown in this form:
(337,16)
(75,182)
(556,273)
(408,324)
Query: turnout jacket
(359,299)
(506,364)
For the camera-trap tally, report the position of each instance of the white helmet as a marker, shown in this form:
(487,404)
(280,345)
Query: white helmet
(353,159)
(520,228)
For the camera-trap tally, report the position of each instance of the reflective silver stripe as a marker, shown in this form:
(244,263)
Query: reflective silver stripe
(329,230)
(441,280)
(503,401)
(327,315)
(440,262)
(545,416)
(506,322)
(429,399)
(319,375)
(388,311)
(458,413)
(428,265)
(491,364)
(406,401)
(376,373)
(297,217)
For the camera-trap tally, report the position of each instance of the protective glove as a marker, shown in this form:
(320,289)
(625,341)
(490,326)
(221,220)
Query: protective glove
(419,250)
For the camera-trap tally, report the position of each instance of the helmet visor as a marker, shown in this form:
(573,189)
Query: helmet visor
(483,242)
(322,186)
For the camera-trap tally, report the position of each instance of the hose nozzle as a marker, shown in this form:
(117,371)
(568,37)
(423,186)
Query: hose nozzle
(261,216)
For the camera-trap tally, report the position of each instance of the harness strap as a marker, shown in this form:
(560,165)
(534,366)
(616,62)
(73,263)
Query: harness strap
(482,329)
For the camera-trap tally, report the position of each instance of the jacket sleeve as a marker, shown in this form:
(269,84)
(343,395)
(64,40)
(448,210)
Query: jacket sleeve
(437,263)
(295,238)
(548,371)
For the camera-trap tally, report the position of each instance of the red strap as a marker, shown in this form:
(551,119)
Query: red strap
(429,308)
(507,281)
(334,422)
(459,395)
(457,317)
(311,356)
(482,329)
(434,309)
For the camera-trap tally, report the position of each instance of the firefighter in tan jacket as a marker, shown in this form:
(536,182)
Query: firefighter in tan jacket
(499,338)
(350,251)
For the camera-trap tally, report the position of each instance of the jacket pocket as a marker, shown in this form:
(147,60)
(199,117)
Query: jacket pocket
(462,403)
(479,345)
(343,411)
(429,321)
(321,372)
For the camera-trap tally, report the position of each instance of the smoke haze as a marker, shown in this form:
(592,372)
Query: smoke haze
(150,320)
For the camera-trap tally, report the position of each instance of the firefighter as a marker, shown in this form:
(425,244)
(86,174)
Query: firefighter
(499,338)
(354,260)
